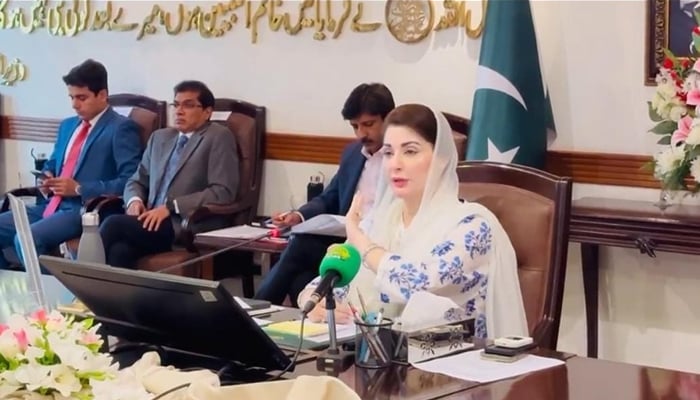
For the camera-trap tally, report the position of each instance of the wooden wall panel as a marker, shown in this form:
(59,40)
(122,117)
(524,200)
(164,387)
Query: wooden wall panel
(584,167)
(28,128)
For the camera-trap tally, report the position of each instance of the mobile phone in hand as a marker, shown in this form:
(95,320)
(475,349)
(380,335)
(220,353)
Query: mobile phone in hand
(39,174)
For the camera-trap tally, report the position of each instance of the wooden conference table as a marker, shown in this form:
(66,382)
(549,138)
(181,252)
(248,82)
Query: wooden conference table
(580,378)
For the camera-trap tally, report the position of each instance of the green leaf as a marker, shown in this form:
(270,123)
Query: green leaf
(665,140)
(664,127)
(87,323)
(693,153)
(696,42)
(653,115)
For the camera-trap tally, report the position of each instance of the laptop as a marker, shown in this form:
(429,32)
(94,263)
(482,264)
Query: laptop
(185,314)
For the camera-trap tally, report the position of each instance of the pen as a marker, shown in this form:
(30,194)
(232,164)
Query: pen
(362,303)
(375,346)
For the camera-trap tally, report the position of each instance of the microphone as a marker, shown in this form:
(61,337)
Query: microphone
(338,267)
(276,232)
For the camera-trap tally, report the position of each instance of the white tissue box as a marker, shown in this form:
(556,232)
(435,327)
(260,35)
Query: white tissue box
(435,342)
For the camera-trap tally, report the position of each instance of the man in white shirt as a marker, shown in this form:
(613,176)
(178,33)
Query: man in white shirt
(95,153)
(360,166)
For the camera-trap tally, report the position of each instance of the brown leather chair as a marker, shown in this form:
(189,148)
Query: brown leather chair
(460,132)
(533,206)
(150,114)
(247,122)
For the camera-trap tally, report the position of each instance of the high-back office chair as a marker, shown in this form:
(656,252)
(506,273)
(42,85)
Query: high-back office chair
(460,131)
(148,113)
(533,206)
(247,122)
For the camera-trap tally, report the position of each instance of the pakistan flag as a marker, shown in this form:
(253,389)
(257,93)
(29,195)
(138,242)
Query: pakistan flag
(511,112)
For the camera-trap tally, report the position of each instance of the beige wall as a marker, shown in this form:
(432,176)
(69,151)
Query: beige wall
(592,53)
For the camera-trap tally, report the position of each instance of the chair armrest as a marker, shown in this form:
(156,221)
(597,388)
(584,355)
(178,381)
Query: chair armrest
(106,203)
(186,237)
(19,192)
(542,334)
(91,204)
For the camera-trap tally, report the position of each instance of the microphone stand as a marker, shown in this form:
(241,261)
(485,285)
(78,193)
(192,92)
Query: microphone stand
(334,360)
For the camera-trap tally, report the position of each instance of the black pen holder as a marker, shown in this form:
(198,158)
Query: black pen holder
(374,344)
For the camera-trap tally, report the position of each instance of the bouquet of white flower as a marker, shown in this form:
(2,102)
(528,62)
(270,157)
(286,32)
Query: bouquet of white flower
(675,108)
(50,356)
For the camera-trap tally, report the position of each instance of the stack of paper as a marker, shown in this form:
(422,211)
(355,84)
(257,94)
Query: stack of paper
(324,224)
(313,332)
(237,232)
(470,366)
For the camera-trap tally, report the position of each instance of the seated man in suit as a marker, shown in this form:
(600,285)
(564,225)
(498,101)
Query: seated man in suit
(185,167)
(359,169)
(95,153)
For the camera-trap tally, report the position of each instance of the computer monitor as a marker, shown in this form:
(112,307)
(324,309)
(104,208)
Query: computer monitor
(186,314)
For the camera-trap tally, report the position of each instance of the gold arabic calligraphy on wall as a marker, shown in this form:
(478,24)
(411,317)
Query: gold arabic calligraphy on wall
(11,72)
(409,21)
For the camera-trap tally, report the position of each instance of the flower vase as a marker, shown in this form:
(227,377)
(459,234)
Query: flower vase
(665,199)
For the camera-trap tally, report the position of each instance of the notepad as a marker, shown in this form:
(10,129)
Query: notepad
(294,328)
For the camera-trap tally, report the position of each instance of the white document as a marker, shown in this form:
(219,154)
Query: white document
(470,366)
(324,224)
(262,322)
(241,303)
(237,232)
(264,311)
(342,331)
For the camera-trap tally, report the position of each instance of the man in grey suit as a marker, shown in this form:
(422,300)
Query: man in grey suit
(182,168)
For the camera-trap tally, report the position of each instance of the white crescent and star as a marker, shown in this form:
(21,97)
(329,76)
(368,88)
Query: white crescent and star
(490,79)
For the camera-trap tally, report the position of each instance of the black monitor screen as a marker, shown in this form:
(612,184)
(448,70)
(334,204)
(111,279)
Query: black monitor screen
(187,314)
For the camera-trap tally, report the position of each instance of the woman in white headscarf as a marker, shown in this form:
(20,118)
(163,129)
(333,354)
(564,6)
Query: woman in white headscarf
(420,236)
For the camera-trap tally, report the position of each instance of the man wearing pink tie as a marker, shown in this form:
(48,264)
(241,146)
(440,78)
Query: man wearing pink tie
(95,153)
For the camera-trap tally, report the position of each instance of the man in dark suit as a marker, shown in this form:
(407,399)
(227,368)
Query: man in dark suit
(183,168)
(95,153)
(360,166)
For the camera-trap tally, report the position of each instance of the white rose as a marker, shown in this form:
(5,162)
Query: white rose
(667,161)
(677,112)
(695,169)
(693,138)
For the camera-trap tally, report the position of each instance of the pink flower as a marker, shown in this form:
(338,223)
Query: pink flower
(3,328)
(39,316)
(696,66)
(693,97)
(682,132)
(90,338)
(22,340)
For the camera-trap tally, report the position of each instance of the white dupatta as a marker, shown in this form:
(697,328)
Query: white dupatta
(440,212)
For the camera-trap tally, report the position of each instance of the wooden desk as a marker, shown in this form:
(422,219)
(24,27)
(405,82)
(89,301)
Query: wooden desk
(217,243)
(210,244)
(588,378)
(404,382)
(631,224)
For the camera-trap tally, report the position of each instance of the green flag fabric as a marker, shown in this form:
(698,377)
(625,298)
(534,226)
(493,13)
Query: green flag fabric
(511,112)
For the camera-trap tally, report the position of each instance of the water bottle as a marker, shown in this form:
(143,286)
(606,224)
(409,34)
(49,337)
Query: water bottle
(91,248)
(314,188)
